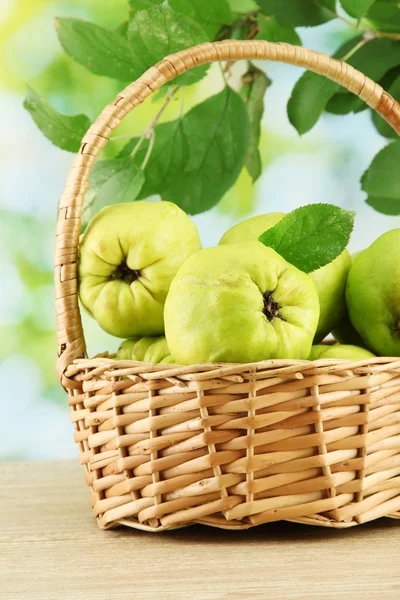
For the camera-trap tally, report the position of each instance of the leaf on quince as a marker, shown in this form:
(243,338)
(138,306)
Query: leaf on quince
(64,131)
(311,236)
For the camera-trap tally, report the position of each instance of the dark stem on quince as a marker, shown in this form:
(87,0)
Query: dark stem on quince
(126,274)
(271,308)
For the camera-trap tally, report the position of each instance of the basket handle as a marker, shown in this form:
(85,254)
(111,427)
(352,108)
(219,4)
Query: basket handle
(70,338)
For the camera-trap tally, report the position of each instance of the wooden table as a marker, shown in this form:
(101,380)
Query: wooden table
(51,549)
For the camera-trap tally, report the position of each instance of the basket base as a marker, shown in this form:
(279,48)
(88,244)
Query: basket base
(221,523)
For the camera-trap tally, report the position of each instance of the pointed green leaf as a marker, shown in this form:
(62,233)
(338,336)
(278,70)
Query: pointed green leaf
(111,182)
(391,83)
(167,158)
(159,31)
(243,6)
(64,131)
(386,206)
(308,100)
(343,104)
(271,30)
(356,8)
(252,92)
(144,4)
(300,13)
(382,178)
(311,236)
(100,50)
(385,16)
(216,132)
(312,92)
(196,159)
(374,59)
(209,14)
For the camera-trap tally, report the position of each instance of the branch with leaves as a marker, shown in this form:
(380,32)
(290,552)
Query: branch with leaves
(194,159)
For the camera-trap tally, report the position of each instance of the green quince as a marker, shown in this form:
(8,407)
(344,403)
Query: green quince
(373,294)
(146,349)
(345,351)
(344,332)
(330,280)
(128,256)
(240,303)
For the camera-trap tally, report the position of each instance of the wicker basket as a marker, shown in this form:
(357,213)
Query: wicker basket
(226,445)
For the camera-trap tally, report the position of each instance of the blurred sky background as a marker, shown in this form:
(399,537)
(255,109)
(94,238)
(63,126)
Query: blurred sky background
(324,165)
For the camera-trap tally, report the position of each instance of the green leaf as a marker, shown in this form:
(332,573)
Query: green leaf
(216,133)
(209,14)
(342,104)
(167,158)
(311,236)
(308,100)
(100,50)
(271,30)
(356,8)
(122,28)
(312,92)
(299,13)
(386,206)
(374,59)
(385,16)
(242,6)
(144,4)
(391,83)
(159,31)
(110,182)
(64,131)
(196,159)
(382,178)
(255,83)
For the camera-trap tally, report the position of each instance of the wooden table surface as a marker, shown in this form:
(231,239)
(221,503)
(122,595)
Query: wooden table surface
(51,549)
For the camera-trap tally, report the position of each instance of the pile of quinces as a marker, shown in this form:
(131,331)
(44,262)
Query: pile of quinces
(143,276)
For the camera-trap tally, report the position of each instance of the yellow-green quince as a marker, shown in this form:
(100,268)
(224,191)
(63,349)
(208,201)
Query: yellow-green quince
(128,256)
(373,294)
(330,280)
(240,303)
(146,349)
(345,351)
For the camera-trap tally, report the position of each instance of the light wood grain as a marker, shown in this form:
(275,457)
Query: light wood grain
(51,548)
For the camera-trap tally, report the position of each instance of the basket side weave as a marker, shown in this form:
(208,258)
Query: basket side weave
(70,336)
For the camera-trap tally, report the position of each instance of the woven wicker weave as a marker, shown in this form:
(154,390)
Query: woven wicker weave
(231,446)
